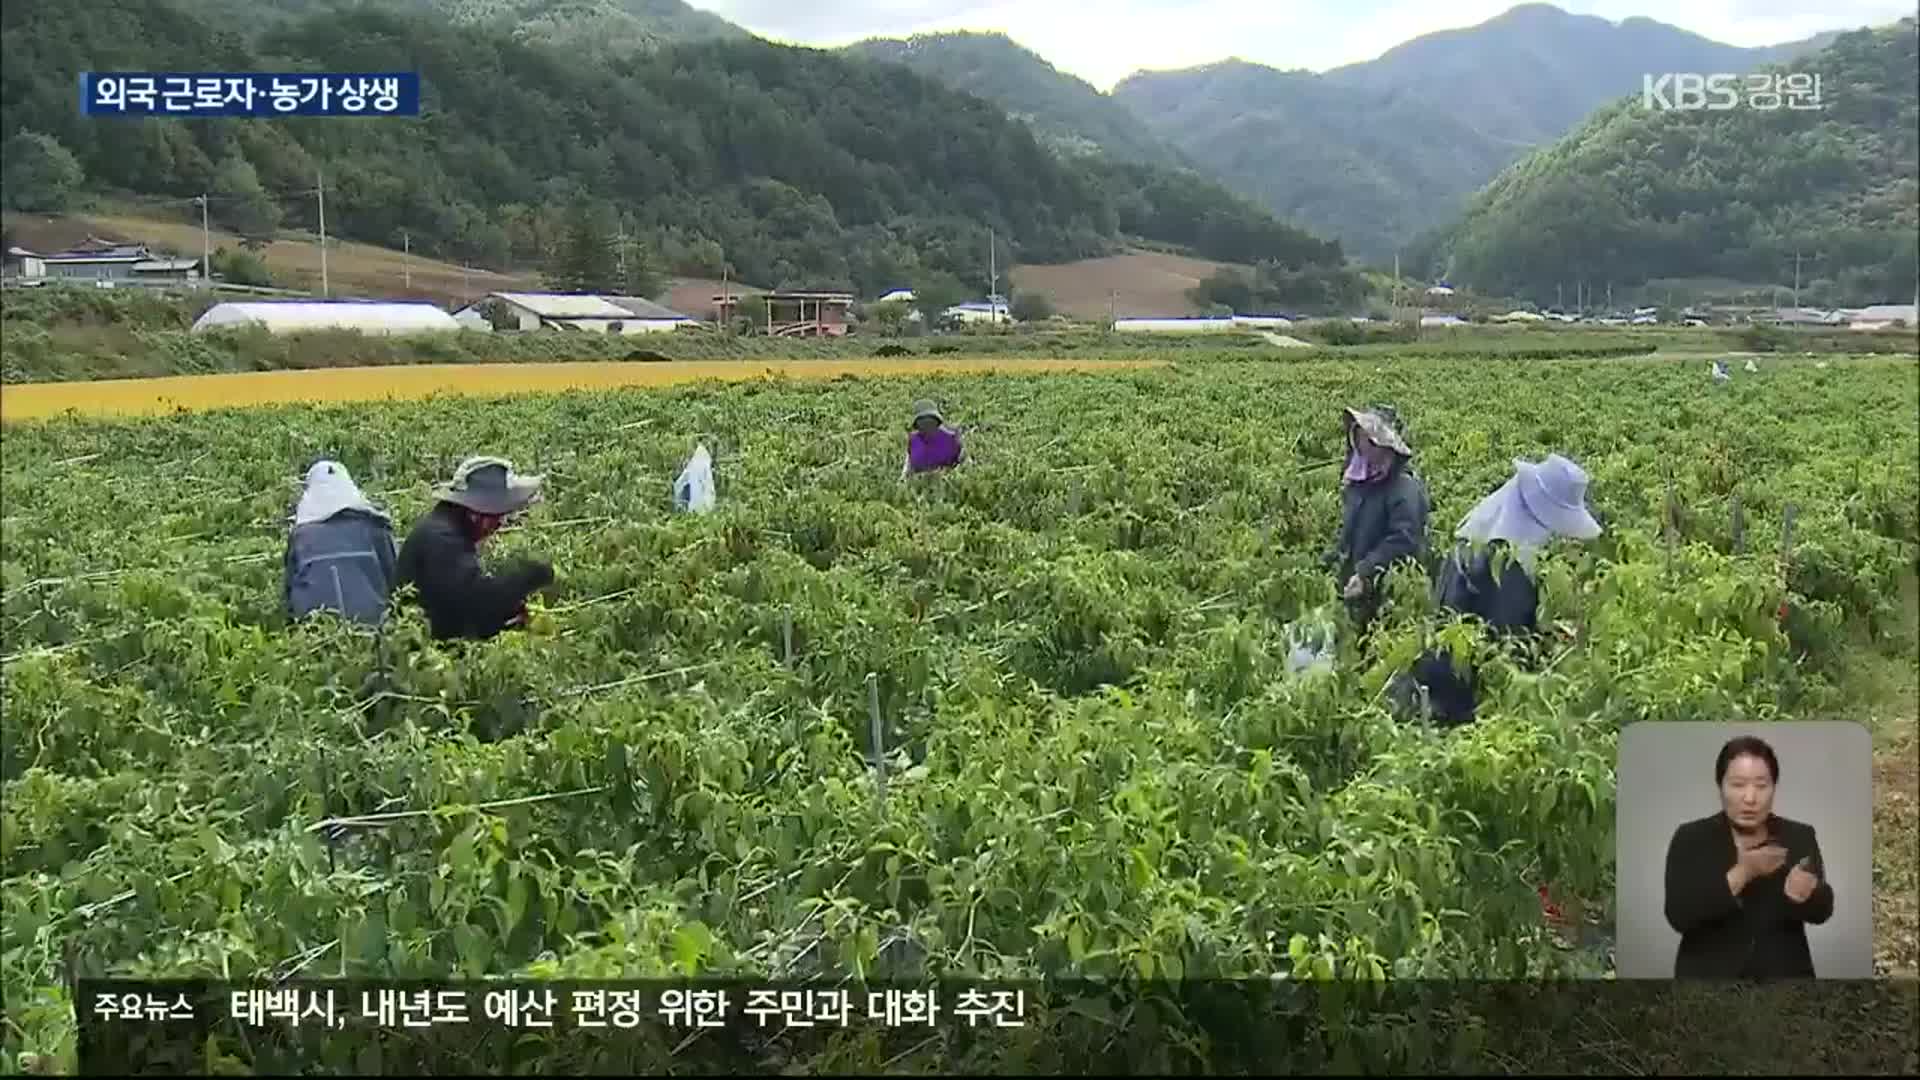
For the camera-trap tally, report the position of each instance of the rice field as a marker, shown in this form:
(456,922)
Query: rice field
(195,393)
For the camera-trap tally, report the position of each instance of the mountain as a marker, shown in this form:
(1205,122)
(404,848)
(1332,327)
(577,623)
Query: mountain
(1637,193)
(1377,152)
(1067,112)
(599,25)
(796,166)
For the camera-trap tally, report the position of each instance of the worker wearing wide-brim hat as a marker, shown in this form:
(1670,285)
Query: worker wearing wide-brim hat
(441,556)
(1490,574)
(1383,510)
(930,443)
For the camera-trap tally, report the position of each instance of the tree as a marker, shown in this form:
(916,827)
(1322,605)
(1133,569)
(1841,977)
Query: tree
(638,268)
(37,173)
(585,260)
(934,293)
(890,316)
(240,202)
(1031,307)
(240,268)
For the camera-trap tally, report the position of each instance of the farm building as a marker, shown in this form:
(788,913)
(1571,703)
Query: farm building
(1884,317)
(1262,322)
(1200,325)
(796,314)
(1442,320)
(103,263)
(896,296)
(24,265)
(1520,316)
(569,311)
(295,316)
(978,311)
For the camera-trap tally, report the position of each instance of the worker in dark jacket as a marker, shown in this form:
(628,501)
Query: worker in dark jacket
(441,556)
(1384,512)
(1489,575)
(1743,885)
(339,551)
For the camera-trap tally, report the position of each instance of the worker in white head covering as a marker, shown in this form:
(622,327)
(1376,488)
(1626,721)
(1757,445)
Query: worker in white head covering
(340,550)
(1489,575)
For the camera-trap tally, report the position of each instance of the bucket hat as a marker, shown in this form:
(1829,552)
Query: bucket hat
(1377,428)
(925,407)
(488,485)
(1540,501)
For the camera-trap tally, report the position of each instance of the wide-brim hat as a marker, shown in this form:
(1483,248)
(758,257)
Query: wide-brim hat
(488,485)
(924,408)
(1377,428)
(1555,493)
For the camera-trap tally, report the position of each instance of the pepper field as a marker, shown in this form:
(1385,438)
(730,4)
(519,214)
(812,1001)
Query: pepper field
(1095,761)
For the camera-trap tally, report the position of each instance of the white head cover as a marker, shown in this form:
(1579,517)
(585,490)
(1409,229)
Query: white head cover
(1538,503)
(330,489)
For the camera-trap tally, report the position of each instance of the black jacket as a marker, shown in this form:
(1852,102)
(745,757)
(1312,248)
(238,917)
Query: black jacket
(1382,522)
(1759,933)
(461,600)
(1507,601)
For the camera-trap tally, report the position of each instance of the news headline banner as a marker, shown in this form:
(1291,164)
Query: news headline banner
(150,93)
(1059,1028)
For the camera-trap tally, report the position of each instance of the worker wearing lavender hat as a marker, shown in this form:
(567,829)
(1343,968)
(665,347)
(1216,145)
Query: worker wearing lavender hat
(1490,575)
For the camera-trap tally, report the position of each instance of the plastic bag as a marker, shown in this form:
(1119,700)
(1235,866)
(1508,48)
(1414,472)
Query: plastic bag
(694,488)
(1310,642)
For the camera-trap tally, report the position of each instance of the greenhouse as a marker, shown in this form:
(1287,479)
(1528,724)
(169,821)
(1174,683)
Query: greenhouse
(295,316)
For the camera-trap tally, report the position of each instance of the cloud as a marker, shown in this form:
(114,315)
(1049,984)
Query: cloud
(1106,43)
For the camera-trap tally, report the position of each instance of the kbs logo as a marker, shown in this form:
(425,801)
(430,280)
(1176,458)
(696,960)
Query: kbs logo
(1719,93)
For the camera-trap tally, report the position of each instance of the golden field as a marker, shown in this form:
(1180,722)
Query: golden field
(195,393)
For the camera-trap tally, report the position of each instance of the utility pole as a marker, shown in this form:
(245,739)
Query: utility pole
(1559,298)
(466,289)
(620,248)
(320,189)
(1113,305)
(1796,277)
(726,293)
(206,244)
(1395,302)
(993,280)
(1609,297)
(406,258)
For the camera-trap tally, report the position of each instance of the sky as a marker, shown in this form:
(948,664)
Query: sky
(1104,41)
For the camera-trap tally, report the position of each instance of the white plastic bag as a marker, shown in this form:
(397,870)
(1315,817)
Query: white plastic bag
(694,488)
(1311,642)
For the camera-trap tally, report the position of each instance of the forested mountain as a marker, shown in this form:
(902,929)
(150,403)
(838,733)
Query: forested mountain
(1378,152)
(797,166)
(598,25)
(1067,112)
(1638,193)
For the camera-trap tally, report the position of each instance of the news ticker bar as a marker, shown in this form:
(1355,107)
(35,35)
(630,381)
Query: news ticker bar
(1060,1027)
(184,94)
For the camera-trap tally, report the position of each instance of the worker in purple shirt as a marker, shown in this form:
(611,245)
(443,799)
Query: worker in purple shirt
(931,445)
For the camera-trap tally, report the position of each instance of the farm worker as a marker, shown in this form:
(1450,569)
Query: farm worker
(1384,511)
(1720,371)
(1490,574)
(340,553)
(441,556)
(930,443)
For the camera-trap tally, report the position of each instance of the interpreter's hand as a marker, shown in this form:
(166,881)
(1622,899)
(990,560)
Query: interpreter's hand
(1801,881)
(1356,588)
(1764,861)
